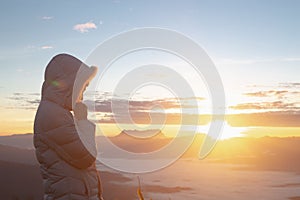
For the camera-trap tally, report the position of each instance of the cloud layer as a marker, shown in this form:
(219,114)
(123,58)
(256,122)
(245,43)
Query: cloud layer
(282,97)
(274,107)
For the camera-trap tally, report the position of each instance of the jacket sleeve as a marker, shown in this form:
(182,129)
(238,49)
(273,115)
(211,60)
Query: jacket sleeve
(66,140)
(86,131)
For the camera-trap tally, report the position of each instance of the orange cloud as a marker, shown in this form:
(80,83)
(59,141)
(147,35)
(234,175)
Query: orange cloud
(267,93)
(275,119)
(168,110)
(275,105)
(290,85)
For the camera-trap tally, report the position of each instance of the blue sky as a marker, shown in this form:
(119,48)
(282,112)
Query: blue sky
(251,42)
(234,30)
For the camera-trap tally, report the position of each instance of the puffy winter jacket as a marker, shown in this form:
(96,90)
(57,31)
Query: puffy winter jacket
(67,164)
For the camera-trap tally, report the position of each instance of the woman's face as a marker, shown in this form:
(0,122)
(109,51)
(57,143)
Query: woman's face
(81,94)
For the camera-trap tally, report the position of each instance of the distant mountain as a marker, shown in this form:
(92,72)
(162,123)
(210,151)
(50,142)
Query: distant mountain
(135,141)
(259,153)
(17,155)
(24,141)
(141,134)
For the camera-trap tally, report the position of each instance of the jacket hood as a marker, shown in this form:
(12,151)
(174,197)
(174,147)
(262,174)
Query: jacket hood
(64,80)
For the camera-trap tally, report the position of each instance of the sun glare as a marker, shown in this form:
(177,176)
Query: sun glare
(229,132)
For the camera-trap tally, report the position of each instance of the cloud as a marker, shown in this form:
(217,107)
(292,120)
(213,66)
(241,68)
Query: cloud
(46,47)
(27,101)
(288,117)
(154,111)
(84,28)
(154,118)
(275,105)
(134,105)
(281,97)
(291,59)
(104,105)
(37,48)
(287,91)
(290,85)
(47,17)
(228,61)
(278,119)
(269,93)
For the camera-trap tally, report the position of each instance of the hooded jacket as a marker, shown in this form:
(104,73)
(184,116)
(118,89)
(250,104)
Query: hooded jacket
(67,164)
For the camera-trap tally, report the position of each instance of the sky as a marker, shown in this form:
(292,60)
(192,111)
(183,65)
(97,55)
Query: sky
(255,46)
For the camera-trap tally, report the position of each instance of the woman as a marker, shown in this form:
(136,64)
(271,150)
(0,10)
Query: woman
(65,145)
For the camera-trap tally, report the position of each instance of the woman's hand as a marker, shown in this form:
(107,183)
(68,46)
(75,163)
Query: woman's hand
(80,111)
